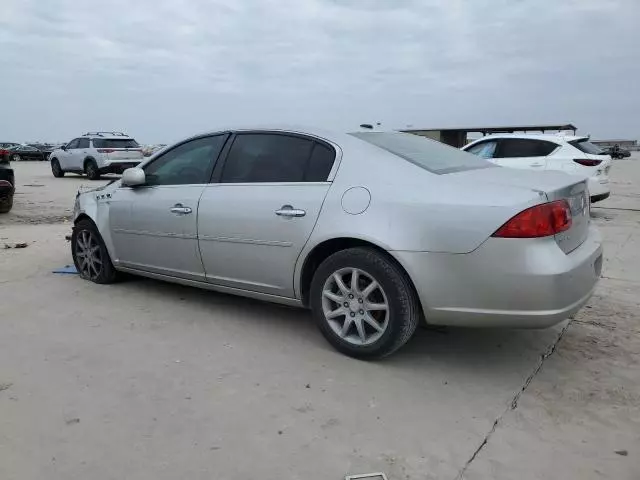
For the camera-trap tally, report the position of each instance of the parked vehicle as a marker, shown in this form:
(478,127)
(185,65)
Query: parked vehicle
(96,153)
(372,230)
(44,148)
(617,153)
(7,185)
(5,145)
(571,154)
(18,153)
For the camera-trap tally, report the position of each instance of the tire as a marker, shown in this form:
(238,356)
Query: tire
(98,269)
(6,205)
(56,169)
(15,157)
(398,321)
(91,170)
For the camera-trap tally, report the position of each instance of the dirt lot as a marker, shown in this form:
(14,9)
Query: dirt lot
(145,380)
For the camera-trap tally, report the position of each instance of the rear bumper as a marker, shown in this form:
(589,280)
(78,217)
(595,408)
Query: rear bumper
(598,186)
(516,283)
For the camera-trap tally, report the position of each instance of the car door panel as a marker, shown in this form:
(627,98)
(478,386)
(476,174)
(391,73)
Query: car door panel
(246,244)
(154,226)
(521,153)
(148,235)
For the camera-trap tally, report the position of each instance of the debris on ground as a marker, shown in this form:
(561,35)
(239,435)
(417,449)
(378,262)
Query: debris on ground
(5,386)
(72,421)
(15,245)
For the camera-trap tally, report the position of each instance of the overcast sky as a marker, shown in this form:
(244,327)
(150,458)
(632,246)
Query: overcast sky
(164,69)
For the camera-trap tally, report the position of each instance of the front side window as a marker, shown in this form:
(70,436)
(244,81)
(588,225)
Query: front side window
(524,147)
(83,143)
(266,157)
(484,149)
(73,144)
(189,163)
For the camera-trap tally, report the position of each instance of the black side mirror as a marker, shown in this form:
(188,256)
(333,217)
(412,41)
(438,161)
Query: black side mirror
(63,147)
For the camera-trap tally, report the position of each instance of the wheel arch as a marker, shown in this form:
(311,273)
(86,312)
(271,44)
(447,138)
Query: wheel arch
(326,248)
(88,159)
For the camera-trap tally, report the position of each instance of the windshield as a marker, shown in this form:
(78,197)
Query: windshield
(429,154)
(115,143)
(585,146)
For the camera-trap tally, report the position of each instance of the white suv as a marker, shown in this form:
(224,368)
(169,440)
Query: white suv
(95,153)
(575,155)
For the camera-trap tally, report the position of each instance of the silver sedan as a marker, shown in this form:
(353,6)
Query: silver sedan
(374,231)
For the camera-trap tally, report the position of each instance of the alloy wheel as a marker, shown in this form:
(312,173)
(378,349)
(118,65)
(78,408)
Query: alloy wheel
(355,306)
(89,255)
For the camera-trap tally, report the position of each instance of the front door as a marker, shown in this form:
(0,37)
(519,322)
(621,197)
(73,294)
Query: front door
(253,224)
(66,156)
(154,226)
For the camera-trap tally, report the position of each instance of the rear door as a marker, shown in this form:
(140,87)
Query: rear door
(253,223)
(524,153)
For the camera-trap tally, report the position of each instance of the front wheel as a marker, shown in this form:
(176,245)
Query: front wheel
(6,204)
(15,157)
(92,171)
(364,303)
(56,169)
(90,254)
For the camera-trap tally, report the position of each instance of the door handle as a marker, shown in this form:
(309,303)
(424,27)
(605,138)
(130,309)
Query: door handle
(180,209)
(289,211)
(537,164)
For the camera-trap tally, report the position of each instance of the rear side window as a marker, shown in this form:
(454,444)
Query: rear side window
(83,143)
(586,146)
(524,147)
(115,143)
(265,157)
(433,156)
(484,149)
(320,163)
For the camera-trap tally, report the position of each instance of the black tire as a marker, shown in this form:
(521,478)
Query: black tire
(404,309)
(6,204)
(106,273)
(15,157)
(56,169)
(91,170)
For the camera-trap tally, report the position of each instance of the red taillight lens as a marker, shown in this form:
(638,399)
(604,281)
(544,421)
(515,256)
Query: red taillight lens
(3,152)
(587,162)
(539,221)
(106,150)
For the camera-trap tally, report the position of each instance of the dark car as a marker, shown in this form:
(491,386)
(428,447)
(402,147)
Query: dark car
(7,186)
(44,148)
(26,152)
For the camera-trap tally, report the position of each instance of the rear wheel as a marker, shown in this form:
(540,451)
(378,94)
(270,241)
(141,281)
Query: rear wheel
(15,157)
(90,254)
(364,303)
(91,170)
(56,169)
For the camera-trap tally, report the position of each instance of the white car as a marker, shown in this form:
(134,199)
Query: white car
(96,153)
(574,155)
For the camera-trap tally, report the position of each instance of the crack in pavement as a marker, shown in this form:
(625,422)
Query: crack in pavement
(514,401)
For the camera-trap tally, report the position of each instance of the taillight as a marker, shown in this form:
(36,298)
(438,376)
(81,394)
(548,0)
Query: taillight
(106,150)
(587,162)
(3,152)
(539,221)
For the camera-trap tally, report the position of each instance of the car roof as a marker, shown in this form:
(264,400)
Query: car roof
(334,136)
(557,138)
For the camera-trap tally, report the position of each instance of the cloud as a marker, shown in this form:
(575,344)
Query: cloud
(162,69)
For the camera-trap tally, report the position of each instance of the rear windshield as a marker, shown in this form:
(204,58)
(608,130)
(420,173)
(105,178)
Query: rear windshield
(433,156)
(115,143)
(586,146)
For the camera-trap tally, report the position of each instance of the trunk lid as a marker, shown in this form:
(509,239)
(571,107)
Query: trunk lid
(124,154)
(550,185)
